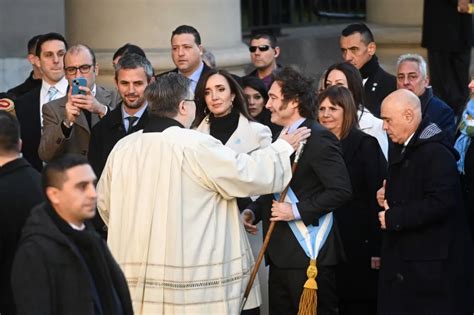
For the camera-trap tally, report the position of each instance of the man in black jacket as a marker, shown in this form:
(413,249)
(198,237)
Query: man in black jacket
(321,184)
(133,73)
(62,266)
(358,48)
(186,52)
(20,191)
(34,79)
(426,249)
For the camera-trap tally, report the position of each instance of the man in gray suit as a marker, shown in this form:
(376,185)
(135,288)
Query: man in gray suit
(67,121)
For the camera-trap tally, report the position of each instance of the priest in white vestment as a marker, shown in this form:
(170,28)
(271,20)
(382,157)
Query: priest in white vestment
(168,193)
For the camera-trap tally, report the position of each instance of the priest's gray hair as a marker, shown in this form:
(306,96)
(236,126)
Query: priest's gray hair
(165,94)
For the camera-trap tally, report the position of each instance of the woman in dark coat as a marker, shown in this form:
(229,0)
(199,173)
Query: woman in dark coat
(257,97)
(356,279)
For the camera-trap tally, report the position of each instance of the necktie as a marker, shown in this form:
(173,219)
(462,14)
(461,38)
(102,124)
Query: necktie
(131,121)
(52,92)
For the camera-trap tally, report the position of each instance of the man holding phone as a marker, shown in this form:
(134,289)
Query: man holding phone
(68,120)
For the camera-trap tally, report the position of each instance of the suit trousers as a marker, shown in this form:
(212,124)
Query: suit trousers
(449,76)
(286,285)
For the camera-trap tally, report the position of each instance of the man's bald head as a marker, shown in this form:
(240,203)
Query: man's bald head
(401,115)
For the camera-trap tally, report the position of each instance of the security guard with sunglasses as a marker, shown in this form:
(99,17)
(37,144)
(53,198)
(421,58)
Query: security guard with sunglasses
(264,52)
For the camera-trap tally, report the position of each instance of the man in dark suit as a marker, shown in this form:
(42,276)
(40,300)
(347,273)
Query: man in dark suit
(133,73)
(412,75)
(321,183)
(264,52)
(20,191)
(34,79)
(67,121)
(447,35)
(186,52)
(358,48)
(50,51)
(426,251)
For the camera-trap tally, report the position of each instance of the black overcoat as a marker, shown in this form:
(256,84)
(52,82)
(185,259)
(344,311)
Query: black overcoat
(426,249)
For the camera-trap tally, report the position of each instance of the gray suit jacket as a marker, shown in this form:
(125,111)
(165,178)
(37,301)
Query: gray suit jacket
(54,142)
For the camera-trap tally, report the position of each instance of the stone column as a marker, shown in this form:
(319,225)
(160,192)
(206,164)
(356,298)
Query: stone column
(105,25)
(395,12)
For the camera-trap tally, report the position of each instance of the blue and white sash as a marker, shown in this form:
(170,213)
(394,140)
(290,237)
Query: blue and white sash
(311,238)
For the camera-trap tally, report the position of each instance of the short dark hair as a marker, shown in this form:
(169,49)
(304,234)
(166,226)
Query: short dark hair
(47,37)
(54,173)
(134,61)
(77,48)
(239,102)
(129,49)
(186,29)
(9,133)
(270,37)
(256,84)
(295,86)
(362,29)
(165,94)
(354,80)
(341,96)
(32,44)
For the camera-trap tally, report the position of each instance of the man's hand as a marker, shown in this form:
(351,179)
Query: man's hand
(295,137)
(382,215)
(282,211)
(88,102)
(381,194)
(375,263)
(248,218)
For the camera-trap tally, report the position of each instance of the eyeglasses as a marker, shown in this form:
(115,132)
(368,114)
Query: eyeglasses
(261,48)
(189,100)
(82,68)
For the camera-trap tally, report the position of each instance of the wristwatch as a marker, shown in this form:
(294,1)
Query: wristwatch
(67,124)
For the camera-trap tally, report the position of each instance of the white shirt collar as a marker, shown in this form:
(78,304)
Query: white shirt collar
(77,228)
(137,114)
(408,140)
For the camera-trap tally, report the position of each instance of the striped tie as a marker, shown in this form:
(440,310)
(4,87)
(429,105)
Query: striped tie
(52,93)
(131,121)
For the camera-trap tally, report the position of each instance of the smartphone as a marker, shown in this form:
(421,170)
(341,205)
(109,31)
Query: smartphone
(76,83)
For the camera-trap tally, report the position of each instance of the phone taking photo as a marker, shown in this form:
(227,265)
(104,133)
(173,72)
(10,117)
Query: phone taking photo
(76,83)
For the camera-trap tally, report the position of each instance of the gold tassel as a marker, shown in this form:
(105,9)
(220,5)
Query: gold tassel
(309,298)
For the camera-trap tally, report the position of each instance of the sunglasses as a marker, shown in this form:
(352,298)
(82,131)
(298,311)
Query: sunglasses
(261,48)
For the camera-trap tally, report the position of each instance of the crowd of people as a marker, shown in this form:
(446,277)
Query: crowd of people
(154,197)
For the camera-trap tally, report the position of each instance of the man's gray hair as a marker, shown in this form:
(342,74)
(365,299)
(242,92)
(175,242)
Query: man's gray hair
(165,94)
(134,61)
(414,58)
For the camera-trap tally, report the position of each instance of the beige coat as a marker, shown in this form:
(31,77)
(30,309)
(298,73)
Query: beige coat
(53,142)
(174,227)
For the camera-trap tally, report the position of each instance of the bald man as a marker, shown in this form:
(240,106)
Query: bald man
(426,248)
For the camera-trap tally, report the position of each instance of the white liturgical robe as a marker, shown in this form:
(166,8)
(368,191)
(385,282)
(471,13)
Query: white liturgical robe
(168,199)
